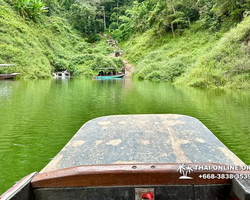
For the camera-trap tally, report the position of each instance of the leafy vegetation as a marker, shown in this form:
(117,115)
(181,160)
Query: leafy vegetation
(227,64)
(31,8)
(167,58)
(184,41)
(40,48)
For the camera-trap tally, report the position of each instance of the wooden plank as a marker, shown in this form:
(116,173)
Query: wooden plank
(160,138)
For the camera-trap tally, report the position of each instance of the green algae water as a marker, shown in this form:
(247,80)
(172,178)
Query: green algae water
(38,117)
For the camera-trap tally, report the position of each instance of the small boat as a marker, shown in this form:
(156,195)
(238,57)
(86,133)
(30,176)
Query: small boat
(104,77)
(8,76)
(134,157)
(110,73)
(62,74)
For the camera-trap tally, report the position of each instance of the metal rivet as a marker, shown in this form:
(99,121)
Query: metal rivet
(152,167)
(134,167)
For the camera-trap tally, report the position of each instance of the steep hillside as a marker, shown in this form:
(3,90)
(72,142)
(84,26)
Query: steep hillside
(39,48)
(199,58)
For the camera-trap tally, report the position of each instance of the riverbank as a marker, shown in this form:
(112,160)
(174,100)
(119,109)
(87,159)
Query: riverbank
(129,68)
(50,44)
(198,58)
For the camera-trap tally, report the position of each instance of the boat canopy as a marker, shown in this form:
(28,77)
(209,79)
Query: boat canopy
(6,65)
(106,68)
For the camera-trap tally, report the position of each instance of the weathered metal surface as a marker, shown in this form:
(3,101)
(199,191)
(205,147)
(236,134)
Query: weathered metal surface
(189,192)
(159,138)
(241,187)
(139,192)
(125,174)
(21,190)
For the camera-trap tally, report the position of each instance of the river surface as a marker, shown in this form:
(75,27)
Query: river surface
(38,117)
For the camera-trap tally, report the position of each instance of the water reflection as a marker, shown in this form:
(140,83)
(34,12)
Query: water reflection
(38,117)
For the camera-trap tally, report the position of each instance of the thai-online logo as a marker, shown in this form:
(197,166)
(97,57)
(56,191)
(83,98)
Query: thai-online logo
(185,170)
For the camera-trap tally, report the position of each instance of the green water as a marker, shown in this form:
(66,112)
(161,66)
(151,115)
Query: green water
(37,118)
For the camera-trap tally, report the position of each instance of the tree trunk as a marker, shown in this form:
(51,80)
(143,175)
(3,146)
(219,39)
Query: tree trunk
(104,21)
(117,14)
(172,28)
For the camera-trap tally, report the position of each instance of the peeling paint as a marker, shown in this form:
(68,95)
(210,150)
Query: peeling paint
(104,123)
(180,141)
(122,122)
(114,142)
(98,142)
(145,142)
(77,143)
(200,140)
(126,162)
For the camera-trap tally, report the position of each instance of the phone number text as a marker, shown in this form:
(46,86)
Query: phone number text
(224,176)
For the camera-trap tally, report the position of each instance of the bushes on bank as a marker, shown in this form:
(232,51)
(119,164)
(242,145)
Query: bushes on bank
(39,49)
(227,64)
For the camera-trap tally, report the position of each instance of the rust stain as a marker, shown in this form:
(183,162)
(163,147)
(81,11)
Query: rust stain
(114,142)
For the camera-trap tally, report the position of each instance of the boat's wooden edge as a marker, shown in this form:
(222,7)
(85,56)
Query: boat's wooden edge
(19,187)
(129,174)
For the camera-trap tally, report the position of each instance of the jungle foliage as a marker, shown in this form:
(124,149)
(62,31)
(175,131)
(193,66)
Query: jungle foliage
(184,41)
(50,43)
(163,16)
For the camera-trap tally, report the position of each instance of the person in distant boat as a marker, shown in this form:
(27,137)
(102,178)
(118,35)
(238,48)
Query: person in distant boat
(100,73)
(123,70)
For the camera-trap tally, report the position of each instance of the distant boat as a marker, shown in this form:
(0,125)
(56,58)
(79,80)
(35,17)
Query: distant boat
(103,77)
(111,74)
(63,74)
(8,76)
